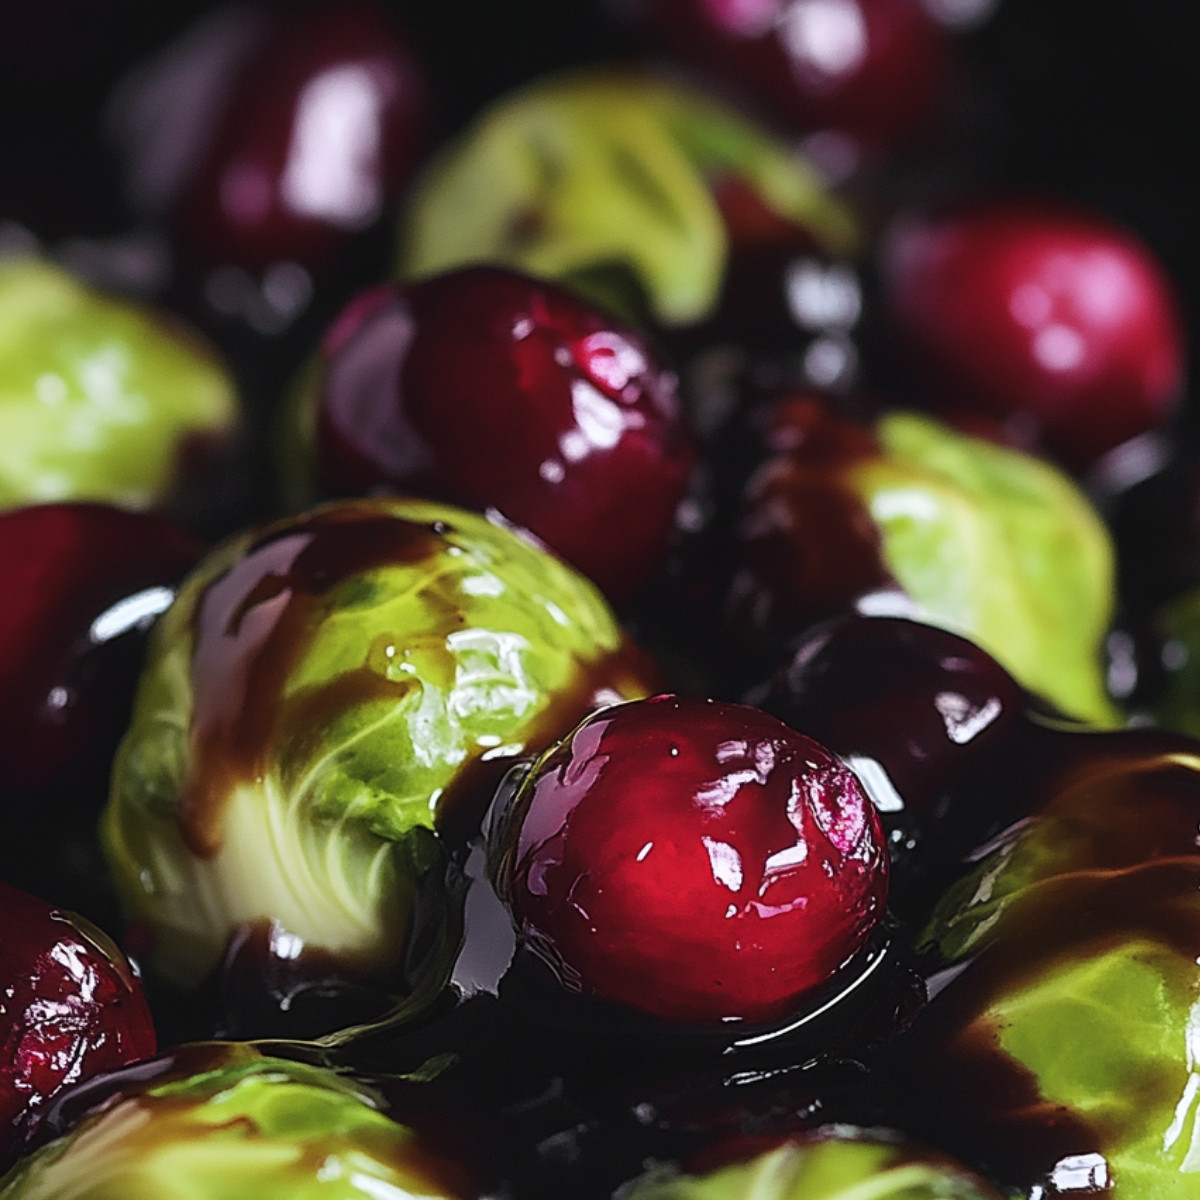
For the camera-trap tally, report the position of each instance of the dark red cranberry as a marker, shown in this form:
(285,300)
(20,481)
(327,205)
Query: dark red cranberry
(82,582)
(927,705)
(490,389)
(1050,316)
(695,860)
(70,1006)
(276,133)
(874,69)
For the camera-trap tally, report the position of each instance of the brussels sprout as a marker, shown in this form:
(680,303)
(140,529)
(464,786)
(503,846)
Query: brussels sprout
(99,399)
(1071,954)
(1001,547)
(244,1124)
(602,168)
(992,544)
(324,695)
(838,1164)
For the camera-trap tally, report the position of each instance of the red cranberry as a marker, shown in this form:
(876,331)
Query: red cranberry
(70,1007)
(275,133)
(81,581)
(696,860)
(1053,316)
(490,389)
(929,706)
(874,69)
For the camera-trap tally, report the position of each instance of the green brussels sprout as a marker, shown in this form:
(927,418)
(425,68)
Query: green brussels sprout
(99,399)
(243,1124)
(1072,952)
(836,1164)
(325,699)
(990,543)
(999,546)
(608,168)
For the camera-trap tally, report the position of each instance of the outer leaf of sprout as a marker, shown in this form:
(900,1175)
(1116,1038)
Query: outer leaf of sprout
(97,396)
(1000,547)
(608,168)
(253,1126)
(1111,1031)
(822,1168)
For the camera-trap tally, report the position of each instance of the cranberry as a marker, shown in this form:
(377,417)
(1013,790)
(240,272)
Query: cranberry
(874,69)
(277,133)
(81,581)
(1045,314)
(696,860)
(927,705)
(487,388)
(71,1006)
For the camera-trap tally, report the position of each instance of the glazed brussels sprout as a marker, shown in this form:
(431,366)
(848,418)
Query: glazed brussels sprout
(99,399)
(1069,983)
(223,1120)
(587,171)
(835,1164)
(329,699)
(991,543)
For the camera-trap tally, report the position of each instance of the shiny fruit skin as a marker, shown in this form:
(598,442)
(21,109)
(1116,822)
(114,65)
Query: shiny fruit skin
(929,706)
(490,389)
(315,140)
(67,672)
(70,1007)
(1040,313)
(695,860)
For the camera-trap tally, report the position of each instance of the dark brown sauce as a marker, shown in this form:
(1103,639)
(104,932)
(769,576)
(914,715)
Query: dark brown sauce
(625,673)
(253,625)
(418,1158)
(1124,817)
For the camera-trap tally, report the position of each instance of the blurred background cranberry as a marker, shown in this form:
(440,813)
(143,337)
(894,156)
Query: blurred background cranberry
(1038,313)
(875,72)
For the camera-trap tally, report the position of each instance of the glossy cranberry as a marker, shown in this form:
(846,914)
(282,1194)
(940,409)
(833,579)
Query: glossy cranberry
(695,860)
(490,389)
(926,705)
(82,582)
(70,1007)
(276,133)
(1053,317)
(874,69)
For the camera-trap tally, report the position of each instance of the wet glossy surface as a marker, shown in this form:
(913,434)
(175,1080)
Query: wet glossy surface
(694,860)
(269,1118)
(805,544)
(253,627)
(926,721)
(82,585)
(1057,320)
(1118,882)
(70,1007)
(256,621)
(420,385)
